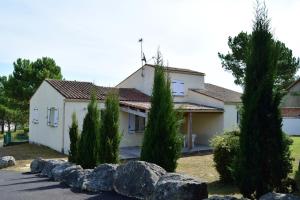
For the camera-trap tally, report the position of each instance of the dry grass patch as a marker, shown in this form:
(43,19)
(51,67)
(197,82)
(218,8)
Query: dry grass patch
(25,153)
(202,167)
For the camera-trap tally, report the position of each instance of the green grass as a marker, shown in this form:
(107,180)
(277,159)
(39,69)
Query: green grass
(202,167)
(296,154)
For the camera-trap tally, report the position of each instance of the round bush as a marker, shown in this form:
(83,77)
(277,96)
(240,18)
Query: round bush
(225,149)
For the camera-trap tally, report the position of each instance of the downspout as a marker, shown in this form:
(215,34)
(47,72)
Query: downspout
(63,126)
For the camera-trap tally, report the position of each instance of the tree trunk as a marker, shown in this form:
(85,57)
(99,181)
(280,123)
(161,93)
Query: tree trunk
(2,127)
(15,126)
(8,123)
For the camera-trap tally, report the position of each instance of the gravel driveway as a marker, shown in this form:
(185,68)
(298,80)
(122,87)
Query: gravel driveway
(18,186)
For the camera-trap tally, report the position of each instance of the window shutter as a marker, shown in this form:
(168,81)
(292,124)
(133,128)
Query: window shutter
(35,116)
(48,116)
(181,88)
(55,120)
(131,123)
(174,87)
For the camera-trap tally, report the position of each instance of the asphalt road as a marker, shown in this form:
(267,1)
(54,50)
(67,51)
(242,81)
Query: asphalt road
(18,186)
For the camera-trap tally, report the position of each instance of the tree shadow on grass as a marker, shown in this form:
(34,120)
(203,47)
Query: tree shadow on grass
(219,188)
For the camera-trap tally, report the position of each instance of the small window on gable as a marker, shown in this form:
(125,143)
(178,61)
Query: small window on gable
(52,117)
(35,116)
(177,88)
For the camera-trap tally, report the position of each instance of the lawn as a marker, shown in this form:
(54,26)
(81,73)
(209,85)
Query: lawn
(201,166)
(25,153)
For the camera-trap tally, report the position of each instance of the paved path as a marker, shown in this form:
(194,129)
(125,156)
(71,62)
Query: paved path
(17,186)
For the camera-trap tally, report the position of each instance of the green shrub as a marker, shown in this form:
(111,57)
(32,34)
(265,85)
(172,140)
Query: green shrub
(110,136)
(26,129)
(88,143)
(225,149)
(74,138)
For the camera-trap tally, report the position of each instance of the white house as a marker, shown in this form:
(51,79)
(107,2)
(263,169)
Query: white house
(290,109)
(208,109)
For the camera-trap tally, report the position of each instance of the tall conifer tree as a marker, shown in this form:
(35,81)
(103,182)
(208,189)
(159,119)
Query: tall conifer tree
(90,135)
(74,139)
(162,141)
(109,134)
(264,159)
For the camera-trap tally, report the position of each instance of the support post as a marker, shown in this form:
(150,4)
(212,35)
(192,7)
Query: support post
(189,126)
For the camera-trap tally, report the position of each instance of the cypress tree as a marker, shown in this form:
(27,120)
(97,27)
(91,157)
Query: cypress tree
(109,134)
(74,139)
(162,141)
(89,137)
(264,157)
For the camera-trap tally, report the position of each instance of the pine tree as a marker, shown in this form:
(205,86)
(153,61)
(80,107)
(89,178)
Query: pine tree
(74,139)
(162,141)
(264,158)
(109,134)
(89,137)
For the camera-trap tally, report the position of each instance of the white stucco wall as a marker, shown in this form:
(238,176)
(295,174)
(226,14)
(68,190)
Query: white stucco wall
(80,108)
(206,125)
(145,83)
(230,117)
(291,125)
(45,97)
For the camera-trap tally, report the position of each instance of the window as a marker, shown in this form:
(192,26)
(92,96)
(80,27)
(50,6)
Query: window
(177,88)
(35,116)
(136,123)
(52,116)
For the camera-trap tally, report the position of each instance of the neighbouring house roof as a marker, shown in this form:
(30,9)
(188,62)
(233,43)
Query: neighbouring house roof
(293,84)
(220,93)
(290,112)
(83,90)
(184,106)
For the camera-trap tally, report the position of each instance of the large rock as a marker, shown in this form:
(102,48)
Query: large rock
(225,198)
(68,170)
(137,179)
(49,165)
(7,161)
(37,165)
(59,169)
(101,178)
(179,187)
(75,176)
(278,196)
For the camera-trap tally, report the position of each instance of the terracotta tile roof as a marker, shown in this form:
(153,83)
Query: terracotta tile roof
(184,106)
(83,90)
(220,93)
(290,112)
(180,70)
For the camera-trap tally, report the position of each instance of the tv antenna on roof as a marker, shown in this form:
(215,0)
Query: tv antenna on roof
(143,57)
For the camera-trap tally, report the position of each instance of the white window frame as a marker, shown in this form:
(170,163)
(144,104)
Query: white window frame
(35,116)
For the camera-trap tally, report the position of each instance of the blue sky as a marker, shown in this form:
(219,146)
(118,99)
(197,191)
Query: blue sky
(97,40)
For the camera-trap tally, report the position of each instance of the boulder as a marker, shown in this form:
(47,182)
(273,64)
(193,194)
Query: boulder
(179,187)
(225,198)
(75,177)
(37,165)
(69,170)
(278,196)
(101,178)
(58,170)
(7,161)
(137,179)
(49,165)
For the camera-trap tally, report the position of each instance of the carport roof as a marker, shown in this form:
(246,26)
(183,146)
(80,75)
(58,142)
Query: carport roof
(183,106)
